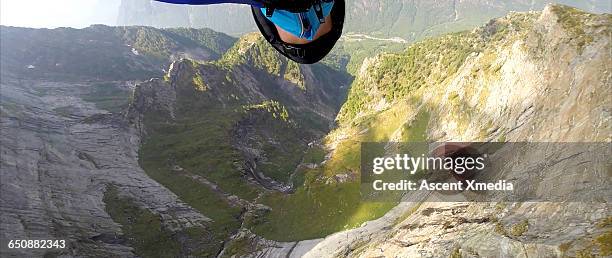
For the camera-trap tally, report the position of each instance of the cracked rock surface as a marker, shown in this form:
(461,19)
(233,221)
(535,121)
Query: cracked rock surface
(59,154)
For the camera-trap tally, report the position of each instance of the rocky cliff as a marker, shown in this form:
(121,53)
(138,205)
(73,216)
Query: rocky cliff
(235,128)
(60,155)
(234,156)
(69,163)
(104,53)
(72,155)
(505,81)
(537,77)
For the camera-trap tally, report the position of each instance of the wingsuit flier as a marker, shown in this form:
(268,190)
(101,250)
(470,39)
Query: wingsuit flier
(305,31)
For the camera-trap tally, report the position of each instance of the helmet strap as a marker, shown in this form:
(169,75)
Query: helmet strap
(319,11)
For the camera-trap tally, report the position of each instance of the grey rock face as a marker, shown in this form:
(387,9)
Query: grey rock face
(59,154)
(548,90)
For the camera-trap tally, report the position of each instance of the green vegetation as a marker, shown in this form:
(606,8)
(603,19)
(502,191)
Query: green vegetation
(323,208)
(272,107)
(516,230)
(456,253)
(162,43)
(199,141)
(293,73)
(349,54)
(200,151)
(207,126)
(270,129)
(316,211)
(239,248)
(145,232)
(430,63)
(314,155)
(252,50)
(423,64)
(215,113)
(108,96)
(199,83)
(141,227)
(500,229)
(604,242)
(201,146)
(328,208)
(584,254)
(417,130)
(600,244)
(203,37)
(574,22)
(605,223)
(103,53)
(519,229)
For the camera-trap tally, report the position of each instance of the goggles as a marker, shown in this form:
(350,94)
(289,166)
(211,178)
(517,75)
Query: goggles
(303,24)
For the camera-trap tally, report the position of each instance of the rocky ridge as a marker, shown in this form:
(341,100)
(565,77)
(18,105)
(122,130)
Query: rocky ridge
(52,137)
(539,78)
(103,53)
(70,166)
(535,77)
(59,156)
(506,81)
(407,19)
(258,113)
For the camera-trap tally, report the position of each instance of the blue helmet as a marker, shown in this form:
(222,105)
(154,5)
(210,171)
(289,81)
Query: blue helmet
(302,24)
(301,18)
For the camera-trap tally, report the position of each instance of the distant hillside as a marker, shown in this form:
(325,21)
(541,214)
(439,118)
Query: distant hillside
(416,19)
(228,18)
(104,52)
(409,19)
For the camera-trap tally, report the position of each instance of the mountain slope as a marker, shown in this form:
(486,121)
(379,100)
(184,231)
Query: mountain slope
(536,77)
(115,53)
(215,134)
(70,171)
(415,20)
(443,89)
(226,18)
(408,19)
(69,162)
(221,134)
(217,155)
